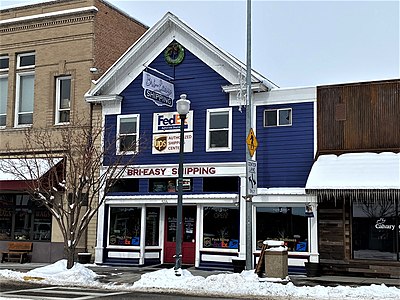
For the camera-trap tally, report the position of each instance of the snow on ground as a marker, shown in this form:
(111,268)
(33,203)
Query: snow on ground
(245,284)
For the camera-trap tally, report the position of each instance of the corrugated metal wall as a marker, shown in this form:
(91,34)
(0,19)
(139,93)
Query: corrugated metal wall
(359,117)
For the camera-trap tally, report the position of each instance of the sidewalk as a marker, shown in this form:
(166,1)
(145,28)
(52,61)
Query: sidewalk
(121,275)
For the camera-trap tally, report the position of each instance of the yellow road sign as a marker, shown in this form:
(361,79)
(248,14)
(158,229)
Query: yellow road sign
(252,142)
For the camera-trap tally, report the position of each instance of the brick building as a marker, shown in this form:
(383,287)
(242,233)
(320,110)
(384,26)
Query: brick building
(49,54)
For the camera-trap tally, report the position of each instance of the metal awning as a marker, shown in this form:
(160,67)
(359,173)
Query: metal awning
(356,175)
(30,169)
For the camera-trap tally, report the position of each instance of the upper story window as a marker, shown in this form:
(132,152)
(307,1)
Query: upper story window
(278,117)
(26,60)
(219,129)
(4,61)
(127,134)
(3,99)
(63,99)
(25,82)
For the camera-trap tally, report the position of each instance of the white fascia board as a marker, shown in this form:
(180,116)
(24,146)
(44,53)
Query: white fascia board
(49,15)
(279,96)
(108,81)
(286,95)
(153,42)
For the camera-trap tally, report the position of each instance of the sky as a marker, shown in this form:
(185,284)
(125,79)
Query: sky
(246,284)
(294,43)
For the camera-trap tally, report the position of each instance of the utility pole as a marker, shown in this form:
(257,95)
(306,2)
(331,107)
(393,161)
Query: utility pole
(249,108)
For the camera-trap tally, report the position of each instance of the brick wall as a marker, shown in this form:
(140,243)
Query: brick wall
(114,34)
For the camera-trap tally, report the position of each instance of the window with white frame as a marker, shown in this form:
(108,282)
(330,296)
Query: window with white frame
(25,82)
(4,61)
(26,60)
(278,117)
(3,99)
(219,129)
(63,99)
(127,133)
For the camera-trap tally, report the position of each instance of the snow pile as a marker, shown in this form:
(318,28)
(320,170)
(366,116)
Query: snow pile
(245,284)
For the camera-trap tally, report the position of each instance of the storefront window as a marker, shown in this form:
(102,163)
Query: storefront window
(374,230)
(22,224)
(42,225)
(125,226)
(21,218)
(152,226)
(288,224)
(5,217)
(221,227)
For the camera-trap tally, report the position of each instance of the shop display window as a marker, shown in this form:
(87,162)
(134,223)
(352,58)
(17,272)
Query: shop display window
(221,227)
(152,226)
(125,226)
(374,230)
(288,224)
(22,219)
(169,185)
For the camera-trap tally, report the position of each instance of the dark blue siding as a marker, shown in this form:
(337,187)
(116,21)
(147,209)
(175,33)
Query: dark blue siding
(203,88)
(285,154)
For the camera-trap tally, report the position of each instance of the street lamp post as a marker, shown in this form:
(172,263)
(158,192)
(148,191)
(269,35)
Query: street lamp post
(182,106)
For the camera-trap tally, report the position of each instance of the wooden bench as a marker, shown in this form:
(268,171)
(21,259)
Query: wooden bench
(17,251)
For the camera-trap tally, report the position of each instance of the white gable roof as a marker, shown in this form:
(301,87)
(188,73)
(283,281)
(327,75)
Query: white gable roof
(154,41)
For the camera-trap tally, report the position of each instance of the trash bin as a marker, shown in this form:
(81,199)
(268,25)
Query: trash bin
(239,264)
(276,260)
(84,257)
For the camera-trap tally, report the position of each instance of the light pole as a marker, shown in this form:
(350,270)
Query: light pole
(182,106)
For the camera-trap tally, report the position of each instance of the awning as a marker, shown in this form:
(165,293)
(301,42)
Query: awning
(356,174)
(31,168)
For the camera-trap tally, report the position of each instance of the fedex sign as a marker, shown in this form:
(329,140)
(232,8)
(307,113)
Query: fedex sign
(170,121)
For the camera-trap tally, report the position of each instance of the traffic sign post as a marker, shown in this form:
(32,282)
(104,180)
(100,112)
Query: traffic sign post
(251,178)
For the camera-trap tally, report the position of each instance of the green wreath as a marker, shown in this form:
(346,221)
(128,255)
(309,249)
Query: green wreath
(174,54)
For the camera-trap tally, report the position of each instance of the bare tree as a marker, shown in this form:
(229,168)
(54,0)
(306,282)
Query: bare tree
(76,183)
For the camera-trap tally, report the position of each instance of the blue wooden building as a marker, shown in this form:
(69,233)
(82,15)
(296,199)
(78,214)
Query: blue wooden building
(137,224)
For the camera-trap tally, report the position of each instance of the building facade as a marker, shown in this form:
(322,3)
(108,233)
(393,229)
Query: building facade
(137,225)
(49,54)
(356,177)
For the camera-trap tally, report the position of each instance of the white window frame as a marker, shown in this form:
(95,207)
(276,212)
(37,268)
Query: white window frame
(229,129)
(19,61)
(58,99)
(5,114)
(119,117)
(3,57)
(17,95)
(277,117)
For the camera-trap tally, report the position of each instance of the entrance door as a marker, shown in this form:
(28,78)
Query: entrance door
(188,234)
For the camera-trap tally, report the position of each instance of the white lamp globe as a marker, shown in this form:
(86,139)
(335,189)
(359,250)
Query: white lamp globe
(183,105)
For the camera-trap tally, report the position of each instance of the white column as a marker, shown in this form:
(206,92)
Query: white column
(142,236)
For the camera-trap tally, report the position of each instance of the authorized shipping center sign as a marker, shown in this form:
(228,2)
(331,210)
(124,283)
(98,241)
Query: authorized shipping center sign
(166,133)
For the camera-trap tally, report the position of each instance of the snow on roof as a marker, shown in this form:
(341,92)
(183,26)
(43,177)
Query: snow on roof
(32,168)
(356,171)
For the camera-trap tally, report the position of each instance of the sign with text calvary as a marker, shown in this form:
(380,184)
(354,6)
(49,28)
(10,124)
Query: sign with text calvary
(161,92)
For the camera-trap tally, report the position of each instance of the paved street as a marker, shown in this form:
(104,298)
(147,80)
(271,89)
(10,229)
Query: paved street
(35,291)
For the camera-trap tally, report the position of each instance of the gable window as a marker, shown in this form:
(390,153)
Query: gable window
(127,133)
(278,117)
(3,89)
(25,81)
(63,99)
(219,129)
